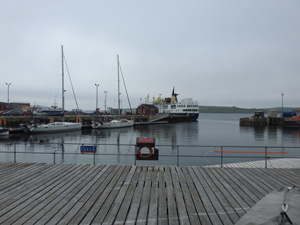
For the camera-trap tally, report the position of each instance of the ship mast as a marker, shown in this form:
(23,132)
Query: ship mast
(118,88)
(63,88)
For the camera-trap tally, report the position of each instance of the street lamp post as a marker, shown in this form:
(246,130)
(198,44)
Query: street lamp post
(105,92)
(97,85)
(8,93)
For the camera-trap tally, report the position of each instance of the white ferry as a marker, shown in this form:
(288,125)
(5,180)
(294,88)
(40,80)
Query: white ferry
(187,108)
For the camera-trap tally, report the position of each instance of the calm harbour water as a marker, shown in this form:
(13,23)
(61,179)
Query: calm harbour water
(116,146)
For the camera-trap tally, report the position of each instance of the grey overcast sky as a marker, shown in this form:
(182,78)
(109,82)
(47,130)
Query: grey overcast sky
(242,53)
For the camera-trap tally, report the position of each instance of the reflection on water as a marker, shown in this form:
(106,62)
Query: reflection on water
(210,130)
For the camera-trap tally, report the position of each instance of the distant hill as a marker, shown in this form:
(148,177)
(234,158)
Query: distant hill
(233,109)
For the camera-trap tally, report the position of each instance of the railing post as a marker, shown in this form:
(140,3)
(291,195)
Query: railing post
(266,157)
(15,153)
(177,155)
(135,153)
(95,154)
(54,157)
(221,156)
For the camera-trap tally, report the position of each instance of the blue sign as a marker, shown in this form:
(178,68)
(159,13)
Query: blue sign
(88,149)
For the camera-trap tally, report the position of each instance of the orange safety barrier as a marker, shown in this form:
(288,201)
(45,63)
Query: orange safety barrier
(252,152)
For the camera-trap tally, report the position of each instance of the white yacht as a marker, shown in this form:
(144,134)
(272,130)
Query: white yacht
(54,126)
(115,123)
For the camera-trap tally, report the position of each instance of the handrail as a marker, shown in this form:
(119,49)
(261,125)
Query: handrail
(252,152)
(176,148)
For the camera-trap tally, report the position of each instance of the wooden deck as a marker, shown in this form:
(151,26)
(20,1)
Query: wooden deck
(115,194)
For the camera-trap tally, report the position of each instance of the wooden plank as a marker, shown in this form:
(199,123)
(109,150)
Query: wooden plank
(38,197)
(110,218)
(162,197)
(76,195)
(91,194)
(225,199)
(24,197)
(210,210)
(57,187)
(153,204)
(136,200)
(239,182)
(188,198)
(109,173)
(10,168)
(199,207)
(213,198)
(99,201)
(180,201)
(27,185)
(59,206)
(80,207)
(252,184)
(260,177)
(144,204)
(240,206)
(171,202)
(53,200)
(21,175)
(126,203)
(114,189)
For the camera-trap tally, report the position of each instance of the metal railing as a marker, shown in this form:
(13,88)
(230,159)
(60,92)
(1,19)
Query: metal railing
(180,154)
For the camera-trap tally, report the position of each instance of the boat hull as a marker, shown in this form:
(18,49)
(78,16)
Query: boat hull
(114,124)
(4,132)
(294,123)
(183,117)
(291,118)
(52,127)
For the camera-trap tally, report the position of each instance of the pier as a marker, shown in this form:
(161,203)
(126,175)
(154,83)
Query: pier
(125,194)
(14,122)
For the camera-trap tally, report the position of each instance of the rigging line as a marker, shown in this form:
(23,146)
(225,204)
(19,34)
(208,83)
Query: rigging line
(71,84)
(125,88)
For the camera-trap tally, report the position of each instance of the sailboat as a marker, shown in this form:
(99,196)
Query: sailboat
(116,123)
(54,126)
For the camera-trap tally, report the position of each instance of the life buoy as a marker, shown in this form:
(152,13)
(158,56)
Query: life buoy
(145,156)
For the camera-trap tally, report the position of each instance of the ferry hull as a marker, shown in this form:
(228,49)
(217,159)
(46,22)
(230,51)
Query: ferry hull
(183,117)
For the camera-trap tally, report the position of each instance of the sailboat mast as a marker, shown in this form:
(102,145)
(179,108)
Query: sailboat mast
(63,88)
(118,88)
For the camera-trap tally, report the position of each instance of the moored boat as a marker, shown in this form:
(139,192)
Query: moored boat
(186,109)
(291,118)
(4,131)
(115,123)
(54,126)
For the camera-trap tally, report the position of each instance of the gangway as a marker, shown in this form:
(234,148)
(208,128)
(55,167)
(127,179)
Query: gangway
(159,117)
